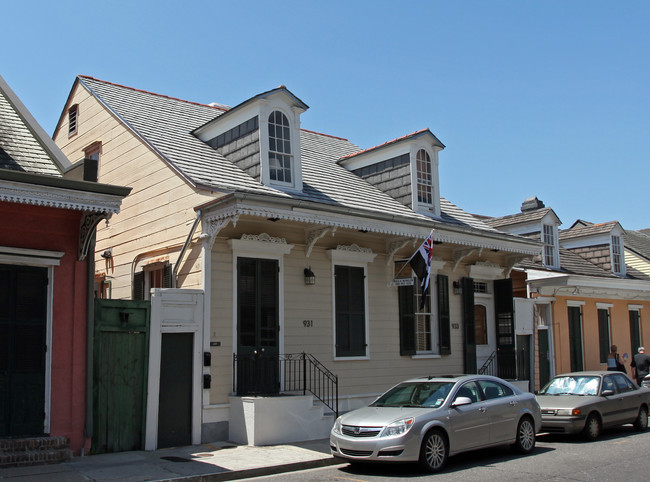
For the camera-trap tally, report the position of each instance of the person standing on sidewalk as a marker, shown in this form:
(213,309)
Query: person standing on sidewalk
(640,365)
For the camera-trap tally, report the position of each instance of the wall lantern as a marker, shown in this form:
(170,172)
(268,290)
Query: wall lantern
(310,277)
(458,289)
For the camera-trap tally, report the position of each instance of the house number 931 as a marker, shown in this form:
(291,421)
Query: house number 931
(307,323)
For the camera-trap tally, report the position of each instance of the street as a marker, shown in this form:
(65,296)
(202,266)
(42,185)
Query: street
(620,454)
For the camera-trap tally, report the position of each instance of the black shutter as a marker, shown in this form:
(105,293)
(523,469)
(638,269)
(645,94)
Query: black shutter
(635,332)
(575,338)
(470,325)
(603,334)
(167,276)
(138,285)
(444,328)
(406,320)
(350,311)
(505,316)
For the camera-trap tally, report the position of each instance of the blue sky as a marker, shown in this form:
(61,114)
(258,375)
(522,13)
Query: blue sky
(545,98)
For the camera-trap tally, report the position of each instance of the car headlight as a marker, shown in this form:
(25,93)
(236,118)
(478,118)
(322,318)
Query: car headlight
(337,426)
(568,411)
(398,427)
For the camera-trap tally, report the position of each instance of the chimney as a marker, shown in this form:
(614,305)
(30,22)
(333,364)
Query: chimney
(531,204)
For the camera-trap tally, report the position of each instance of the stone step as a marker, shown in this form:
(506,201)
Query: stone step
(18,452)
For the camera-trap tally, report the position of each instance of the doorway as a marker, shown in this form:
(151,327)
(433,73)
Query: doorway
(257,326)
(23,326)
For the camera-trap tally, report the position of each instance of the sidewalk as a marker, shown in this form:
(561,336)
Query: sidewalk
(198,463)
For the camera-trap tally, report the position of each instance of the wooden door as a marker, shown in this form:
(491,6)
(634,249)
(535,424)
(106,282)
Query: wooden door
(544,358)
(23,320)
(121,353)
(575,338)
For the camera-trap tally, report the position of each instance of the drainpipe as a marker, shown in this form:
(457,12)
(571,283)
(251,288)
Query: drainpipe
(90,335)
(184,248)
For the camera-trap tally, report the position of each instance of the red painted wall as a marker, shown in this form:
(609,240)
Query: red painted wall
(36,227)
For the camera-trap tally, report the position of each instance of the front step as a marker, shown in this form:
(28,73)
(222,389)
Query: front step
(20,452)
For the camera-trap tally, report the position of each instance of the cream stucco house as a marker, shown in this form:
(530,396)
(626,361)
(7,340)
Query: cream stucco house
(297,242)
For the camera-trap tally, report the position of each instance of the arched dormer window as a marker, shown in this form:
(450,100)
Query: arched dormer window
(280,157)
(424,177)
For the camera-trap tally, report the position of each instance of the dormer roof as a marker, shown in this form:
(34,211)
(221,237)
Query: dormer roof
(529,217)
(582,231)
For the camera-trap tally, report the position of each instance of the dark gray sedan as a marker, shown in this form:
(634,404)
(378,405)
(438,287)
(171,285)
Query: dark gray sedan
(428,419)
(587,402)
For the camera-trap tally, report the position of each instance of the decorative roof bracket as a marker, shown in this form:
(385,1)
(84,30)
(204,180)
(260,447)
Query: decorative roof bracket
(312,235)
(212,227)
(89,222)
(512,260)
(460,254)
(394,246)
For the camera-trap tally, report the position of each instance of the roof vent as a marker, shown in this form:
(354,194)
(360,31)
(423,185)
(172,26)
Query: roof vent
(531,203)
(220,106)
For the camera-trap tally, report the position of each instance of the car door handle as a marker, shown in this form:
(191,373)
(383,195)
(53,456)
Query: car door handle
(482,409)
(513,402)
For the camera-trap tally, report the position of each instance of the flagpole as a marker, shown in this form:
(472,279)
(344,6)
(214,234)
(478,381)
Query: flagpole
(414,253)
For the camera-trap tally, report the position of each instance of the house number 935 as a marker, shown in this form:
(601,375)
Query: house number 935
(307,323)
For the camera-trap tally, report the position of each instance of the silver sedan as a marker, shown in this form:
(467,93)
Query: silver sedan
(587,402)
(429,419)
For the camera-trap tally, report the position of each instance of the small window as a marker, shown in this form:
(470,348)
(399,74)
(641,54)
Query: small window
(102,287)
(493,390)
(93,151)
(469,390)
(73,113)
(91,161)
(155,275)
(623,384)
(480,287)
(617,262)
(424,177)
(280,158)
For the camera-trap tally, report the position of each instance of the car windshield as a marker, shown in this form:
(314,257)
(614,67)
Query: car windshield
(572,385)
(415,394)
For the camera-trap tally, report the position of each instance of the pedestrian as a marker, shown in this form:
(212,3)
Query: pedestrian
(640,365)
(614,363)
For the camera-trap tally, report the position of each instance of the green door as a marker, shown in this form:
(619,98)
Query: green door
(505,329)
(121,354)
(23,316)
(544,358)
(257,326)
(575,338)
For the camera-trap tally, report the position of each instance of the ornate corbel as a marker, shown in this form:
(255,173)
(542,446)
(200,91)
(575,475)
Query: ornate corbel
(394,246)
(460,254)
(89,222)
(514,259)
(312,235)
(212,227)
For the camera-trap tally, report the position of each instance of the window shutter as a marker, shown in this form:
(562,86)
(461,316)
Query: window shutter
(469,323)
(635,332)
(406,320)
(167,276)
(444,328)
(138,286)
(350,311)
(603,334)
(504,311)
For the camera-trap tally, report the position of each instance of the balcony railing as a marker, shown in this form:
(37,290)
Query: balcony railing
(292,372)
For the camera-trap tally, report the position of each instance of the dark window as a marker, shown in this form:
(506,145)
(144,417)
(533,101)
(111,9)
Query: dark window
(623,384)
(494,389)
(157,275)
(349,285)
(603,334)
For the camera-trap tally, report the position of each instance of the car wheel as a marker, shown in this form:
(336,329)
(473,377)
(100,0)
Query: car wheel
(434,451)
(592,427)
(525,441)
(641,422)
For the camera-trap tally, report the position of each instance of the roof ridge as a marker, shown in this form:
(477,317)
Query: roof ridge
(326,135)
(386,143)
(153,93)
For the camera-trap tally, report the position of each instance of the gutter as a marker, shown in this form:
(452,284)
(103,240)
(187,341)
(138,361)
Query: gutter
(184,248)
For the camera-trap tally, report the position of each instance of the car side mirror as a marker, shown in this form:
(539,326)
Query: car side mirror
(461,401)
(607,393)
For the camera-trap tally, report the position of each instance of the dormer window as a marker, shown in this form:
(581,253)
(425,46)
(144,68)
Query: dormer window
(617,257)
(424,177)
(280,158)
(550,246)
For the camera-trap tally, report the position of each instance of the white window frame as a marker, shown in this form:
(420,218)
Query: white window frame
(551,246)
(617,255)
(434,206)
(355,257)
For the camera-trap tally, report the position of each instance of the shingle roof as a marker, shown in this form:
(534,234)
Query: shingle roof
(518,218)
(578,232)
(638,242)
(166,124)
(19,147)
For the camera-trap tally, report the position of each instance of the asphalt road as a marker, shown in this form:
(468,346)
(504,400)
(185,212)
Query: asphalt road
(619,455)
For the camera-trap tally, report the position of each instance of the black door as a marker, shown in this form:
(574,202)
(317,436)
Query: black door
(503,304)
(23,316)
(175,402)
(257,326)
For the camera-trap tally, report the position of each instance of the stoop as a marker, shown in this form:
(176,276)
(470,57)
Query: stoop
(20,452)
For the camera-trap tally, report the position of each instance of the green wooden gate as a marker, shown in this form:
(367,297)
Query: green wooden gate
(120,364)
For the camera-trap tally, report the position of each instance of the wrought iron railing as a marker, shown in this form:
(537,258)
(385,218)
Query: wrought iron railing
(294,372)
(490,366)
